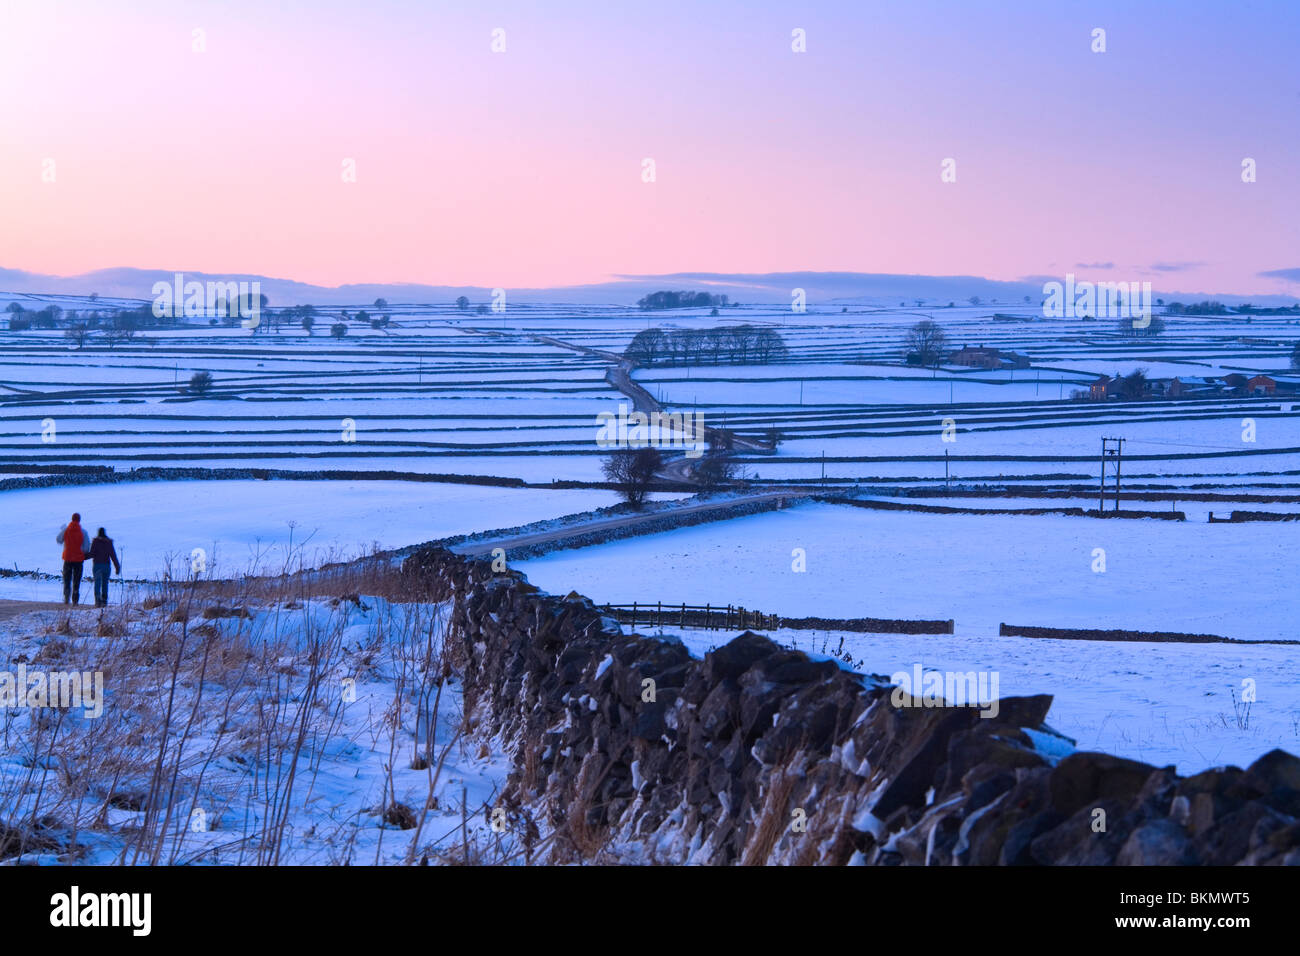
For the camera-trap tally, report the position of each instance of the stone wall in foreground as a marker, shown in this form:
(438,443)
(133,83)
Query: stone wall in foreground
(627,749)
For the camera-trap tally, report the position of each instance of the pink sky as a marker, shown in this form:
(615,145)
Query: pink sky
(524,168)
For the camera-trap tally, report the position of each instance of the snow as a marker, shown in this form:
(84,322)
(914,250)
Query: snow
(979,570)
(240,524)
(233,773)
(445,392)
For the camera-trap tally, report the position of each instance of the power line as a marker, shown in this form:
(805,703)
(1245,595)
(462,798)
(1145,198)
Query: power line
(1112,449)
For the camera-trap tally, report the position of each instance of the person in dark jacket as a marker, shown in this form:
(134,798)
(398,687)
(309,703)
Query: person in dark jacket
(102,553)
(76,548)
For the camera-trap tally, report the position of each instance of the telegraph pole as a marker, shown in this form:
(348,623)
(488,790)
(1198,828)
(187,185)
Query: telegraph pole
(1112,449)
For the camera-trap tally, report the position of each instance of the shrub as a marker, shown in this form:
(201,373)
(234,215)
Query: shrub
(201,383)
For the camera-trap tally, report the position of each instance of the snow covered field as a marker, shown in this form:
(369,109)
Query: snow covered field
(442,391)
(445,392)
(1233,580)
(246,524)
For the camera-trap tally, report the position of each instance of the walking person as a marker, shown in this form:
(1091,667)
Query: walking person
(102,553)
(76,548)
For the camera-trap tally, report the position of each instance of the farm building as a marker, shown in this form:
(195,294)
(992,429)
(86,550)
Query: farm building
(1261,385)
(982,357)
(1192,388)
(976,357)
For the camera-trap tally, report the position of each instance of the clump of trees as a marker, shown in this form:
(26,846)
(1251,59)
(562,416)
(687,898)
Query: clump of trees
(681,300)
(20,319)
(200,383)
(1141,326)
(122,328)
(926,344)
(338,330)
(1200,308)
(733,345)
(1295,356)
(1134,385)
(632,471)
(717,467)
(1247,309)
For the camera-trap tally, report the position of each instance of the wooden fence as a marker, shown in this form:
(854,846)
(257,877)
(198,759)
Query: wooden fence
(706,616)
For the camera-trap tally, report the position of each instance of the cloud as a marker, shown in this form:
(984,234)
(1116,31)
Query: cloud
(1291,275)
(1176,266)
(1094,265)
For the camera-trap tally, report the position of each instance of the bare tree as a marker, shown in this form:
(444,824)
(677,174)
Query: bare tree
(717,467)
(927,340)
(77,334)
(1134,385)
(632,471)
(121,329)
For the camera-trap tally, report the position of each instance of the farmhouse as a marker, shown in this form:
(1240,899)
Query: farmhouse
(1190,389)
(976,357)
(1261,385)
(1103,388)
(982,357)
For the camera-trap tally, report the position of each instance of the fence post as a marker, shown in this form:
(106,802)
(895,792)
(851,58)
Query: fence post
(708,618)
(683,624)
(659,617)
(634,613)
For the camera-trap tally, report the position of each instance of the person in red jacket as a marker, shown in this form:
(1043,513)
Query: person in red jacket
(101,553)
(76,548)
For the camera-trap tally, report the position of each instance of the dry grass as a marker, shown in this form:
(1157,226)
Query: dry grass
(774,819)
(239,690)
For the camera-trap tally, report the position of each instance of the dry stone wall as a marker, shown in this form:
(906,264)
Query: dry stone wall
(626,749)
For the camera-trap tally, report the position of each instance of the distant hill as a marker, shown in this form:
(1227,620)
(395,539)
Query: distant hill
(769,288)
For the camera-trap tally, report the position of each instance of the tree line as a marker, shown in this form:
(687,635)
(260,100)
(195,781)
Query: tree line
(731,345)
(681,300)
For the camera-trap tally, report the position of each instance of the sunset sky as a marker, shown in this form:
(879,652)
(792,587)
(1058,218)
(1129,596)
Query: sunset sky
(524,168)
